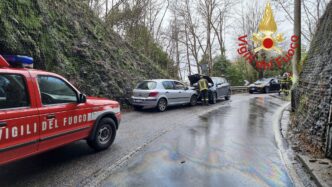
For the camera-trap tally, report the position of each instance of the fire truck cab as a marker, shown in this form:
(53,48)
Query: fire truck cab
(40,111)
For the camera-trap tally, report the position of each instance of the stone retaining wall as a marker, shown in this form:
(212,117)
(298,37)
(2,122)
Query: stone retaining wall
(313,94)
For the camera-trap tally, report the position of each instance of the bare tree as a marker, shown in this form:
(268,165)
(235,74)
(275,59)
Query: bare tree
(96,6)
(248,24)
(193,41)
(202,23)
(310,14)
(106,8)
(175,44)
(187,49)
(218,22)
(162,21)
(181,47)
(199,27)
(207,8)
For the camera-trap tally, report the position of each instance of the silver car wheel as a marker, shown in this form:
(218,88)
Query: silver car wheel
(162,105)
(214,98)
(228,97)
(193,100)
(104,135)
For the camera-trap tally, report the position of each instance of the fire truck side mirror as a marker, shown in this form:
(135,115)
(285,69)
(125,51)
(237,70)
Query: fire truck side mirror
(82,98)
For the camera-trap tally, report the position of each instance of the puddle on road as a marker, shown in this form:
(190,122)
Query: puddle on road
(234,146)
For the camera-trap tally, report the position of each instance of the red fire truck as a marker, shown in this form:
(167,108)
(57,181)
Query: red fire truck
(40,111)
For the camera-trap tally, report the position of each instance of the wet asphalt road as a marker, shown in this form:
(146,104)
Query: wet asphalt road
(231,146)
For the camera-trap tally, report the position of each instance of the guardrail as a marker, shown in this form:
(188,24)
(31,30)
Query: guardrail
(239,89)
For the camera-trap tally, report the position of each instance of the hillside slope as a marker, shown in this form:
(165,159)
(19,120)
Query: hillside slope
(65,37)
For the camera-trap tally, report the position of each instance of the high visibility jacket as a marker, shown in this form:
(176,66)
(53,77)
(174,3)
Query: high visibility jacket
(285,80)
(202,84)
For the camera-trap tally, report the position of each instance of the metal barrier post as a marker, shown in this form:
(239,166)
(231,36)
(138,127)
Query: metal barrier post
(328,153)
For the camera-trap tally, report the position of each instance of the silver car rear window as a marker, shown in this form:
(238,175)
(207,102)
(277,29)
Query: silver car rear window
(146,85)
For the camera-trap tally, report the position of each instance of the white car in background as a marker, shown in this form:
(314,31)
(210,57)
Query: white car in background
(161,93)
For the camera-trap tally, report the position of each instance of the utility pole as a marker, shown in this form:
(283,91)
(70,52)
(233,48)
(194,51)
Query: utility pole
(106,13)
(297,56)
(297,32)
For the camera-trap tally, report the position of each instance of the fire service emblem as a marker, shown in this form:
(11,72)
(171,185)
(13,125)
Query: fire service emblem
(267,39)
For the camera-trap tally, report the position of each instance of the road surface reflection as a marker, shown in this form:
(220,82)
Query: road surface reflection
(233,146)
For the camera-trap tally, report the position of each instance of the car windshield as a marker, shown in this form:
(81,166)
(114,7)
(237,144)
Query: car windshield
(146,85)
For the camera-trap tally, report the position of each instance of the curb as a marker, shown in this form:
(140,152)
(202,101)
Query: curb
(319,169)
(301,158)
(283,146)
(317,182)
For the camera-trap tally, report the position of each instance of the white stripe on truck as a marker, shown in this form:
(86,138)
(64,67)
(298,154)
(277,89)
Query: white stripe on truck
(94,115)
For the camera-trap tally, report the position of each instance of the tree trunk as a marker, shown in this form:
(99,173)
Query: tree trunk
(209,47)
(178,58)
(177,50)
(187,47)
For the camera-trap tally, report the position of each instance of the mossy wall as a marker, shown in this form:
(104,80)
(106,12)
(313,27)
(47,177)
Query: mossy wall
(314,92)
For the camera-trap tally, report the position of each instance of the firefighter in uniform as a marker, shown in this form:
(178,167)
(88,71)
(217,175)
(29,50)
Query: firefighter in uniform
(203,89)
(285,84)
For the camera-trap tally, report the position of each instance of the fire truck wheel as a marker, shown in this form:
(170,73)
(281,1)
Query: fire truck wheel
(104,135)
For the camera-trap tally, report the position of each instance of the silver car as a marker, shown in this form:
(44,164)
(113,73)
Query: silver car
(161,93)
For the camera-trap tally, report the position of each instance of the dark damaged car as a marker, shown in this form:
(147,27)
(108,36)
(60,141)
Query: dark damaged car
(219,87)
(265,85)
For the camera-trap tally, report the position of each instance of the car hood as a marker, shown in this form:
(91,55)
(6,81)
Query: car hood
(257,85)
(196,77)
(96,101)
